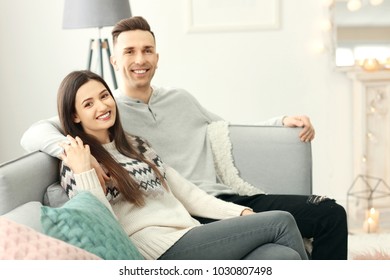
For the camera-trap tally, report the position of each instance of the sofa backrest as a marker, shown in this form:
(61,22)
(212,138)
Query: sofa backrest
(272,158)
(26,179)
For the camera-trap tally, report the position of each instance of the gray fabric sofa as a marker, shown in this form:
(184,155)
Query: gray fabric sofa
(270,157)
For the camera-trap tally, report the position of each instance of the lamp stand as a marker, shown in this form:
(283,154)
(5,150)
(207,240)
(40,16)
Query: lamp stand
(101,44)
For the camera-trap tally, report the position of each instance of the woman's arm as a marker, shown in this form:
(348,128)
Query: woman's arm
(198,202)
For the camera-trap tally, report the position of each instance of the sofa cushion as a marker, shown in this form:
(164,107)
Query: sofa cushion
(26,179)
(27,214)
(87,223)
(20,242)
(55,196)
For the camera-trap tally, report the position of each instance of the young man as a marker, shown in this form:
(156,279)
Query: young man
(175,124)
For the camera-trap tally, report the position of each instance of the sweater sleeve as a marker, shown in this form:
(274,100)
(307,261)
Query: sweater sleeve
(209,115)
(276,121)
(44,136)
(88,181)
(198,202)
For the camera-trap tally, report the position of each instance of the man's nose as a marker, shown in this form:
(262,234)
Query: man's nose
(139,58)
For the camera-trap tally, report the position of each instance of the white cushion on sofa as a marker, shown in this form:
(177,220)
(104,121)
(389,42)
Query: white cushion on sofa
(28,214)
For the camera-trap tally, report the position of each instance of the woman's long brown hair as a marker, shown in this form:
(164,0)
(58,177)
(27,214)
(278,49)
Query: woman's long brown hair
(66,98)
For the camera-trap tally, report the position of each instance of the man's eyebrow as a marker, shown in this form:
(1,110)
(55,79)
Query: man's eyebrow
(144,47)
(128,49)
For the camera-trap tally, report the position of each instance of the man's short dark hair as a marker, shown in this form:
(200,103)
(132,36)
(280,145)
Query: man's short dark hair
(129,24)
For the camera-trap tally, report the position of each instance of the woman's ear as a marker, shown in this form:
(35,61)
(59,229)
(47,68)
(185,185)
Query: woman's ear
(76,119)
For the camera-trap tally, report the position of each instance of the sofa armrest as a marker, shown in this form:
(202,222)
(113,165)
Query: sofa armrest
(26,179)
(272,158)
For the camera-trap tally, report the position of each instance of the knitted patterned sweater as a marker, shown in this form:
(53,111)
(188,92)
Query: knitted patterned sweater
(166,216)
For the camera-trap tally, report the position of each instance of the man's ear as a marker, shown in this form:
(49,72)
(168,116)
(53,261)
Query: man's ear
(113,62)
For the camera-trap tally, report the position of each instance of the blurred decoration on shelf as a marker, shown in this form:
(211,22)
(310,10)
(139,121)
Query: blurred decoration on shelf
(355,5)
(361,31)
(361,199)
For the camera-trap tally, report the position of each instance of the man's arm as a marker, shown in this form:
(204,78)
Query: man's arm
(277,121)
(306,135)
(44,136)
(47,136)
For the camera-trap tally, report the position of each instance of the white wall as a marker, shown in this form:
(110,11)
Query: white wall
(243,76)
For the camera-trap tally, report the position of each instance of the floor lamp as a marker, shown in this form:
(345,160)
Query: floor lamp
(80,14)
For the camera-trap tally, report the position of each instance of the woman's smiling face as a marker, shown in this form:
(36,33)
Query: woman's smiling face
(95,110)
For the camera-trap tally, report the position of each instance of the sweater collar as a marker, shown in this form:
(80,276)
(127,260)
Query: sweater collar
(120,95)
(109,146)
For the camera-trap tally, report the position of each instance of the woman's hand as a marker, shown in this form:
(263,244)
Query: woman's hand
(76,155)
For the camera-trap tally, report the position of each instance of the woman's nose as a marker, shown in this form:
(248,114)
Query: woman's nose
(101,105)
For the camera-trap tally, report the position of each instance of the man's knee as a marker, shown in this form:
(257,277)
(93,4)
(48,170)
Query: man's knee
(335,213)
(338,210)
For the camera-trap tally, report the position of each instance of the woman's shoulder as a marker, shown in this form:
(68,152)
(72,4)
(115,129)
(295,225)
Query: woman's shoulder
(139,143)
(138,140)
(144,147)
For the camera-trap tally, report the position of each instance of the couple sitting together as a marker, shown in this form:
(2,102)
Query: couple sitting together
(145,155)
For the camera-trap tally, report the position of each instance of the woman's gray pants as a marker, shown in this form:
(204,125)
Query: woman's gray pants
(271,235)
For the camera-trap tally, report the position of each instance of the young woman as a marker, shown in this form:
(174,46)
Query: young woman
(153,203)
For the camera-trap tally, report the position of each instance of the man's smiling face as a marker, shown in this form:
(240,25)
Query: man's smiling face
(135,58)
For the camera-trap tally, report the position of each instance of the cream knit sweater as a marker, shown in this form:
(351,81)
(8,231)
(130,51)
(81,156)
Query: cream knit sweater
(166,216)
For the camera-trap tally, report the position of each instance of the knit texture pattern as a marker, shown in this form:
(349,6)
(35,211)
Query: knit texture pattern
(20,242)
(227,172)
(86,223)
(140,171)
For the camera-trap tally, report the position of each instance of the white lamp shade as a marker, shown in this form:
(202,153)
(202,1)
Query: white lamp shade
(94,13)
